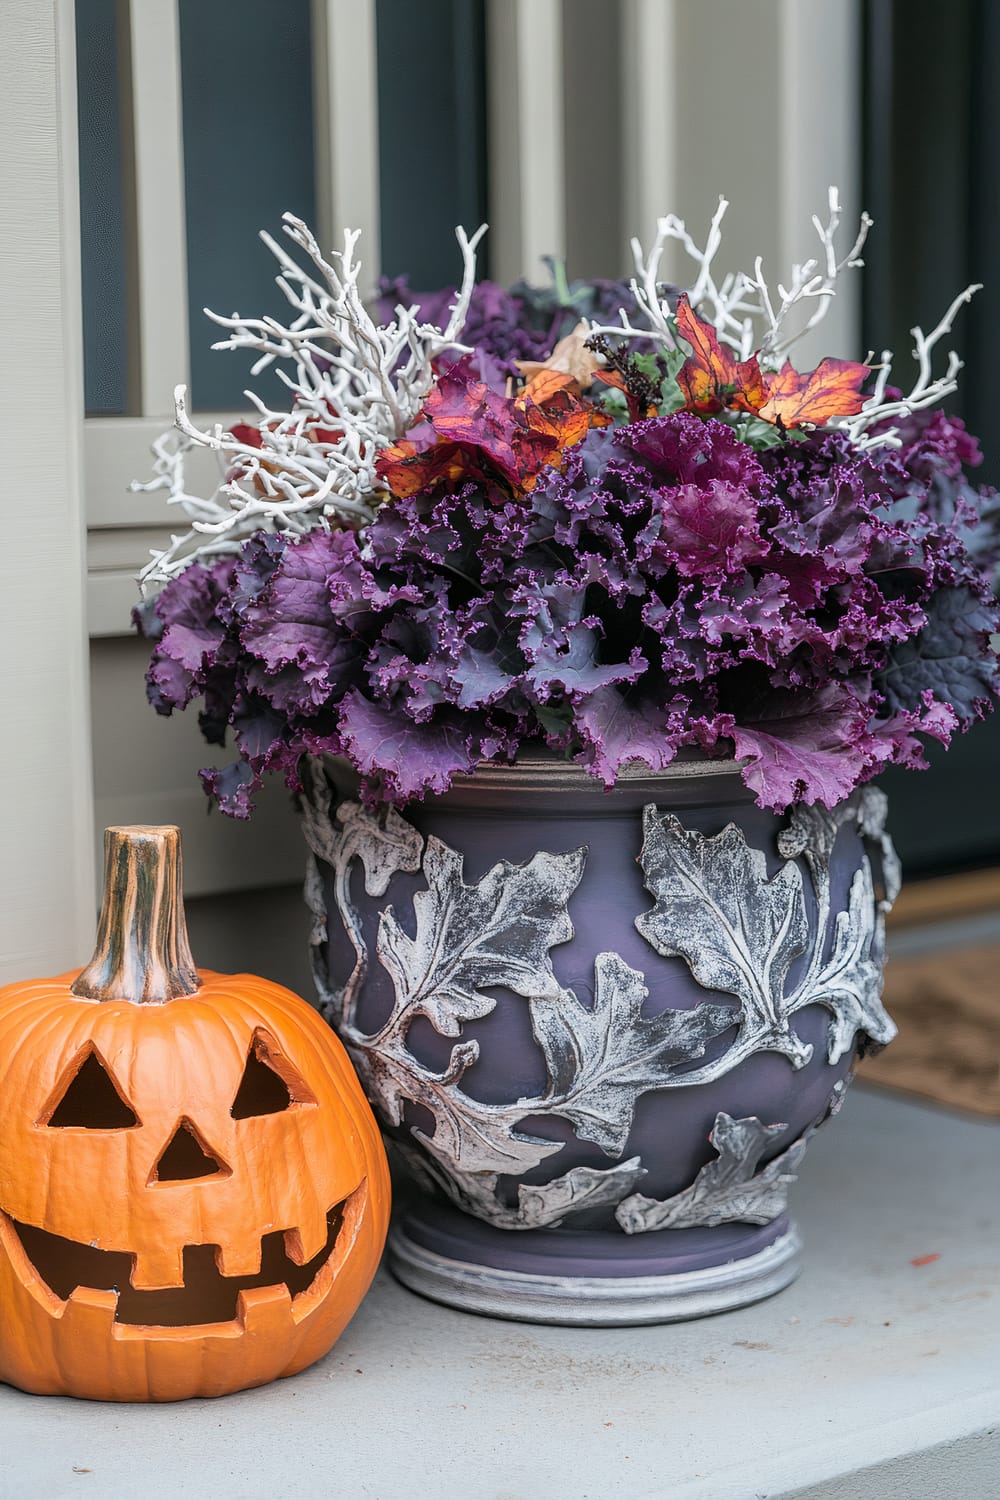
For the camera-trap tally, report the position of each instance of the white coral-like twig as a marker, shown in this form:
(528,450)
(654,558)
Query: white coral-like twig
(749,318)
(356,385)
(927,389)
(746,315)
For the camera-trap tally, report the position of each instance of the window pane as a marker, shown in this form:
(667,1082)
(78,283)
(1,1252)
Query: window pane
(432,134)
(102,237)
(248,157)
(931,186)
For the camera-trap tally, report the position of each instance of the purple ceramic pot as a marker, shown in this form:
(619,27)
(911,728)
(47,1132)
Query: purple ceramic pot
(598,1026)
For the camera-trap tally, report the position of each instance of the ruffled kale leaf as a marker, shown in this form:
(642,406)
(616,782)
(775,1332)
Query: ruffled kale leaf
(815,610)
(950,658)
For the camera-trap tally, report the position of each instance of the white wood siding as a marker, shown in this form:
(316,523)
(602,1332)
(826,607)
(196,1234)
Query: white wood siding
(153,134)
(524,65)
(46,910)
(345,94)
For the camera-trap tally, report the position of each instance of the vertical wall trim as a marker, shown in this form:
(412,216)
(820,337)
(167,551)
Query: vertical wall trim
(153,140)
(526,136)
(46,834)
(345,91)
(649,59)
(820,136)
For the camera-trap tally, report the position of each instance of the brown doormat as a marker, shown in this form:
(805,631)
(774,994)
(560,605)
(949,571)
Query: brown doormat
(947,1007)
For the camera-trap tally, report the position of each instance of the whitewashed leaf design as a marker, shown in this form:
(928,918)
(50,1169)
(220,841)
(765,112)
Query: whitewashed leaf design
(737,930)
(600,1060)
(470,937)
(848,981)
(727,1190)
(384,843)
(849,984)
(469,1137)
(715,906)
(547,1204)
(539,1206)
(873,811)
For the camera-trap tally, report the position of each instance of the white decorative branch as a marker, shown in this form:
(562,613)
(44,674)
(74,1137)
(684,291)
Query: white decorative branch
(746,315)
(927,389)
(356,385)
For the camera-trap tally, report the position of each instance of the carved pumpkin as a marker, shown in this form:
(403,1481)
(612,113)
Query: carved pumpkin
(193,1192)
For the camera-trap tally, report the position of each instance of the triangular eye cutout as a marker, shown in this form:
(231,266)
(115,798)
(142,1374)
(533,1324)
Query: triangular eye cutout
(90,1101)
(269,1083)
(187,1156)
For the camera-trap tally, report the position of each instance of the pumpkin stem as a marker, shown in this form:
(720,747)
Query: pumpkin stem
(142,951)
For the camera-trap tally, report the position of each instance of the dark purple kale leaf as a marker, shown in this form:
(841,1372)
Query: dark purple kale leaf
(950,658)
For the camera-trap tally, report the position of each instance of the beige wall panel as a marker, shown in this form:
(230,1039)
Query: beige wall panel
(766,110)
(146,771)
(526,134)
(46,885)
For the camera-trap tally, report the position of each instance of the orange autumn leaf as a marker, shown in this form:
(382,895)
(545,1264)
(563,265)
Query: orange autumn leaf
(617,379)
(712,378)
(545,383)
(833,389)
(405,469)
(479,435)
(556,419)
(571,356)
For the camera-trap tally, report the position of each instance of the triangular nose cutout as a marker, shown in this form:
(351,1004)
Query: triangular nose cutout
(186,1156)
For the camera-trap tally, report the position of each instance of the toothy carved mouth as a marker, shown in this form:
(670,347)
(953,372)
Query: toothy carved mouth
(206,1295)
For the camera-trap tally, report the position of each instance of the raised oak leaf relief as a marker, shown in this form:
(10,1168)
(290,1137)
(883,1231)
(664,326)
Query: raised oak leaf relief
(737,930)
(715,906)
(546,1204)
(873,810)
(600,1060)
(849,984)
(469,1137)
(471,937)
(539,1206)
(727,1190)
(848,981)
(384,843)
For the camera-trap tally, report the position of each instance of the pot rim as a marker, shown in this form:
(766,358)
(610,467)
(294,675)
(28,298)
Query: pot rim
(536,771)
(689,779)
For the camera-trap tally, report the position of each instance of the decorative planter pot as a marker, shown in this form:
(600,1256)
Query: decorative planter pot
(599,1027)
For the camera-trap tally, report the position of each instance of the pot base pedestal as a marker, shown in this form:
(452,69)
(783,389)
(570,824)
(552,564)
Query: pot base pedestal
(589,1278)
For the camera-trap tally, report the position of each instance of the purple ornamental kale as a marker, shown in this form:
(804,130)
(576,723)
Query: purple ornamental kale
(525,322)
(814,610)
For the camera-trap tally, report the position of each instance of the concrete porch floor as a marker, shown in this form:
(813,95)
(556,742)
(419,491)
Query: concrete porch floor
(871,1378)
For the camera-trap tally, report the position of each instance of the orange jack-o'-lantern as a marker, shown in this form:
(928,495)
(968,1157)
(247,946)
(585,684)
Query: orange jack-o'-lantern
(193,1192)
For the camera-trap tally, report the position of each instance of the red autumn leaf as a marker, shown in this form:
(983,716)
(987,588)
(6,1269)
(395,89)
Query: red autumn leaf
(481,434)
(713,379)
(833,389)
(250,436)
(490,426)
